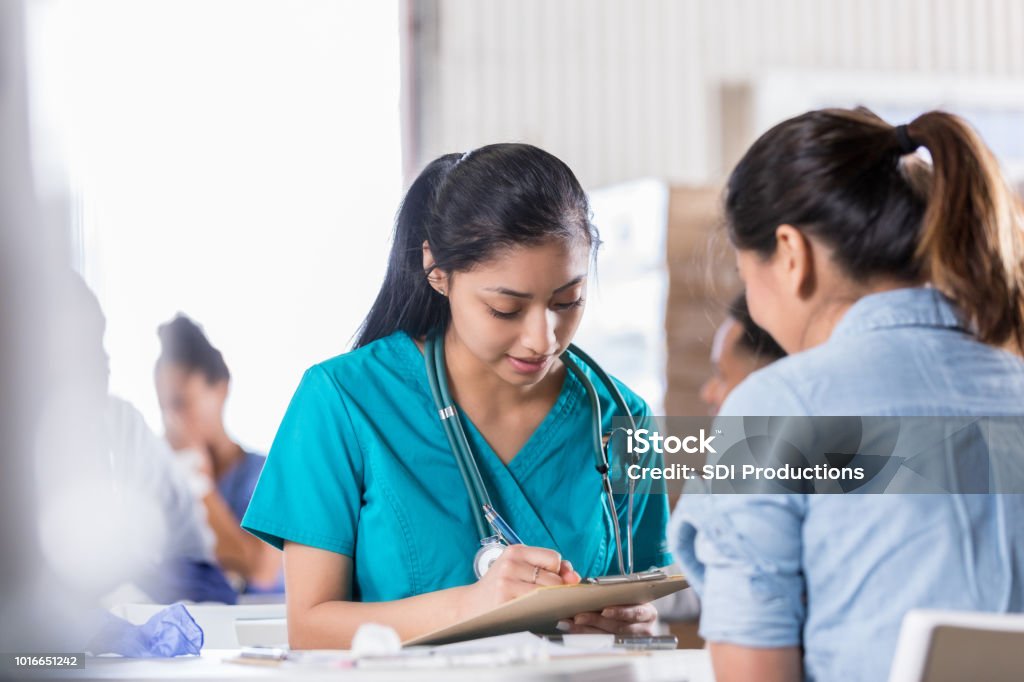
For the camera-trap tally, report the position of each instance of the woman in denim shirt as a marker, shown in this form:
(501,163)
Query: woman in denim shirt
(898,288)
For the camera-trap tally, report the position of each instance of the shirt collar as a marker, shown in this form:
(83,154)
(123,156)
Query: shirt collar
(913,307)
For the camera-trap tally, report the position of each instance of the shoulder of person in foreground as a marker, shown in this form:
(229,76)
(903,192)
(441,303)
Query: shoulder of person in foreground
(147,461)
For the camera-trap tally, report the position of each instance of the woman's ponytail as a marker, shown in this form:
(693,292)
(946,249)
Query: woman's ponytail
(848,178)
(971,244)
(406,300)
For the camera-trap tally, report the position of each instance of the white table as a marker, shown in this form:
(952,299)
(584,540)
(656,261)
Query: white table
(680,665)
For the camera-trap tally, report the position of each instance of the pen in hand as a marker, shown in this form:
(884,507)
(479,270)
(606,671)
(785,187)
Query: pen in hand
(500,526)
(504,531)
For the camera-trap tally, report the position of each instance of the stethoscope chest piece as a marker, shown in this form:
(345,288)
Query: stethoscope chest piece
(490,549)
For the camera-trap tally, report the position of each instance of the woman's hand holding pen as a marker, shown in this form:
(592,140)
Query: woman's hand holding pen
(519,569)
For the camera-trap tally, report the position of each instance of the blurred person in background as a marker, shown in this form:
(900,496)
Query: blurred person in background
(121,520)
(740,347)
(897,287)
(192,382)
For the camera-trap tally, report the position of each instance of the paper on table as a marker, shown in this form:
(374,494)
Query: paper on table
(520,641)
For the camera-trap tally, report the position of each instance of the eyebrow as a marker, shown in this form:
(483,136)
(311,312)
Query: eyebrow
(519,294)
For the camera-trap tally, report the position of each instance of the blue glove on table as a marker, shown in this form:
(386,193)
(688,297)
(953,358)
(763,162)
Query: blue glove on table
(171,632)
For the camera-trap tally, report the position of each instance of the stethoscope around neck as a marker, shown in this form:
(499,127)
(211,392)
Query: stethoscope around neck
(492,545)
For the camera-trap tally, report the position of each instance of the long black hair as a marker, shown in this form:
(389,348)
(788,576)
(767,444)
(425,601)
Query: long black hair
(849,179)
(469,208)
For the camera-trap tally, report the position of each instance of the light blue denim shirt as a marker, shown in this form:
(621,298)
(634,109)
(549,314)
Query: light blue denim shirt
(836,574)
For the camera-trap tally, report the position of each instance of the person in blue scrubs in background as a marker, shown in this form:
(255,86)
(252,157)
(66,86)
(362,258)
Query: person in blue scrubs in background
(897,287)
(492,248)
(192,382)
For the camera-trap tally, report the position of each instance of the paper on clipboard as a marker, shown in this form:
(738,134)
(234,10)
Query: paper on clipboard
(541,609)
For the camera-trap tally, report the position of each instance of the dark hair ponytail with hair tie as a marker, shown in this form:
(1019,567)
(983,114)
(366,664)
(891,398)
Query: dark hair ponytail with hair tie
(908,145)
(844,177)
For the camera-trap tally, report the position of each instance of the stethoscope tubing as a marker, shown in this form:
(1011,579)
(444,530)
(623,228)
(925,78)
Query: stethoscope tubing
(456,436)
(469,470)
(620,402)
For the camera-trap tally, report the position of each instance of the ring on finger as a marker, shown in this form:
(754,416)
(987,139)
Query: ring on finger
(536,572)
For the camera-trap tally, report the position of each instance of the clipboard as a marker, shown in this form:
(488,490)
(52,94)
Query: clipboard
(541,609)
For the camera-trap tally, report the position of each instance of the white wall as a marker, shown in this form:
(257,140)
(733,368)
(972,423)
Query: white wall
(622,89)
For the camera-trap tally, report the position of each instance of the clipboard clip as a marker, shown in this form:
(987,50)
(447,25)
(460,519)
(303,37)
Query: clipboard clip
(640,577)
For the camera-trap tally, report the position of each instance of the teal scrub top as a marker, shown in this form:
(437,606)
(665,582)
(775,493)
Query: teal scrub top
(361,466)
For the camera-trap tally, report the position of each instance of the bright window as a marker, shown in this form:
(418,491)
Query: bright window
(236,160)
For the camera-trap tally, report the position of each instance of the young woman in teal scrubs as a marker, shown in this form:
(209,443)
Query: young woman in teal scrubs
(492,249)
